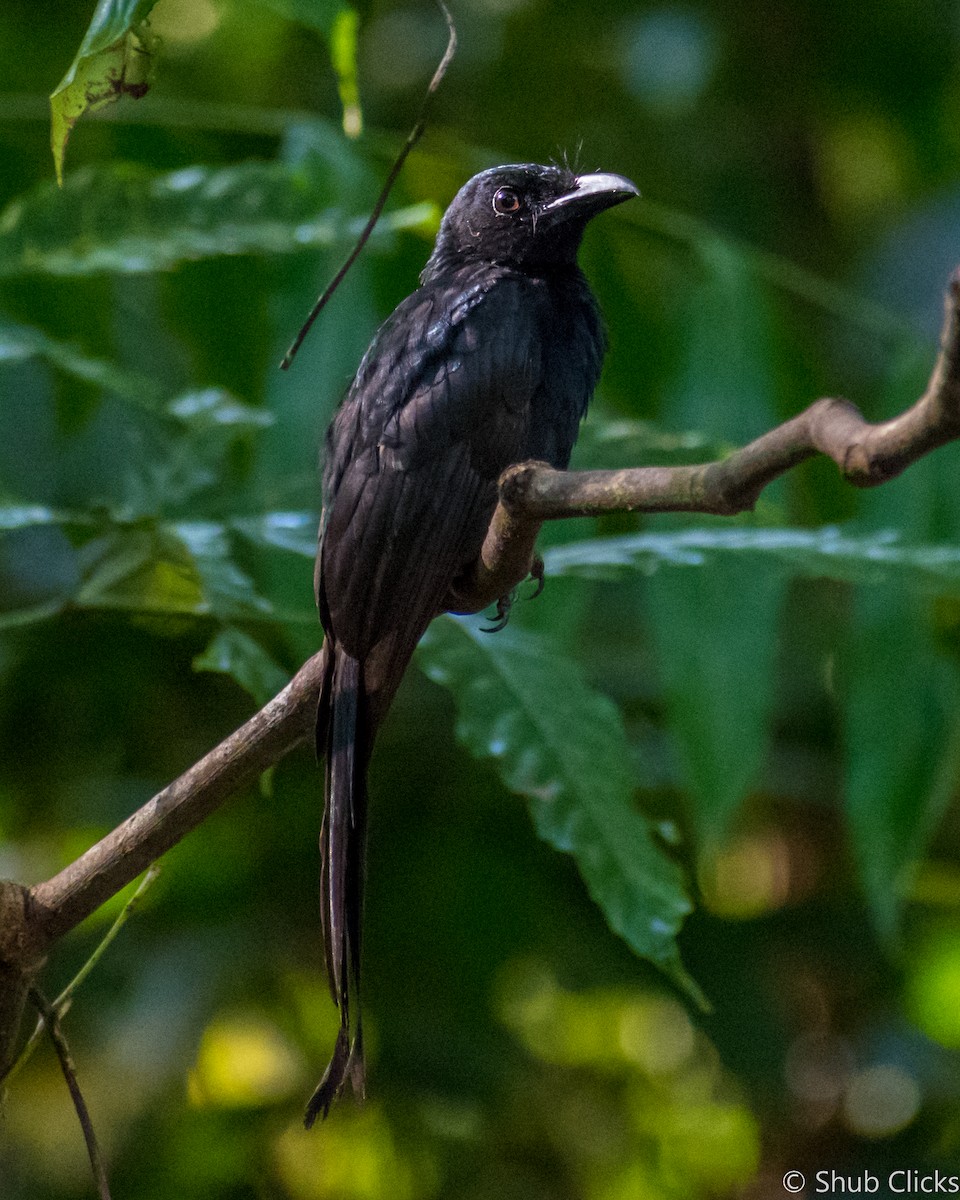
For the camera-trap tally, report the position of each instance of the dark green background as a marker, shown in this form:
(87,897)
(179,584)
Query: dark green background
(783,687)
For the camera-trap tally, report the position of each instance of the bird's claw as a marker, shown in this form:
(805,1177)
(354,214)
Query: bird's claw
(537,575)
(504,605)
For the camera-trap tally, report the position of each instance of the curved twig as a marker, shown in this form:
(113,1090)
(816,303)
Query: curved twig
(51,1021)
(413,137)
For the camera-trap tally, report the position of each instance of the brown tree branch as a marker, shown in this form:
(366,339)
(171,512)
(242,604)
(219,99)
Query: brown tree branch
(32,919)
(867,455)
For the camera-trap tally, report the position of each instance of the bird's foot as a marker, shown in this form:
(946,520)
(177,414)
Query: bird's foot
(504,605)
(537,575)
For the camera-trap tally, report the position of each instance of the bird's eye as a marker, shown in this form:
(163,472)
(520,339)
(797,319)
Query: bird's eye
(506,201)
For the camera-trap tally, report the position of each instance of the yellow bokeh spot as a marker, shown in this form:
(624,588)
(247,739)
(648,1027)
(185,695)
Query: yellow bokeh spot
(717,1145)
(355,1159)
(183,22)
(656,1034)
(243,1062)
(566,1028)
(934,989)
(748,878)
(862,168)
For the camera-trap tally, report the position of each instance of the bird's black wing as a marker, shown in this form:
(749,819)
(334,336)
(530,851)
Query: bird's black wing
(440,407)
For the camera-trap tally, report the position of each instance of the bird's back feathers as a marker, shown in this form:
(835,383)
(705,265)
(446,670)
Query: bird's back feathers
(490,362)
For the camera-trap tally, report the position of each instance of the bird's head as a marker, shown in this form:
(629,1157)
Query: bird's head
(525,215)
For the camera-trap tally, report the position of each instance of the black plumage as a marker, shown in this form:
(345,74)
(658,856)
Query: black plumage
(491,361)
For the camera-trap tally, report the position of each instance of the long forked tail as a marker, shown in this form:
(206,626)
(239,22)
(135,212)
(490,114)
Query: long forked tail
(344,742)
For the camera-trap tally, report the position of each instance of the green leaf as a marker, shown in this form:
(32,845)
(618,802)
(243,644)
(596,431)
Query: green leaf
(213,408)
(715,633)
(233,652)
(826,553)
(21,342)
(293,531)
(177,569)
(563,746)
(114,60)
(606,444)
(130,219)
(343,55)
(902,736)
(141,569)
(182,463)
(229,590)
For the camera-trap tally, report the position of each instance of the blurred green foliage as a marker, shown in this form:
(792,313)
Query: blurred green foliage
(753,719)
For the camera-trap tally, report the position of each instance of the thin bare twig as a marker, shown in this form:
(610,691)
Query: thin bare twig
(414,136)
(52,1022)
(62,1003)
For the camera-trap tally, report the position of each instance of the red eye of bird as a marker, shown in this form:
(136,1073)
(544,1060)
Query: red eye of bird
(506,201)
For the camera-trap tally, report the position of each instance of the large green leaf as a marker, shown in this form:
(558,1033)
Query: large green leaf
(114,60)
(901,716)
(901,721)
(827,553)
(186,454)
(715,633)
(211,410)
(228,589)
(613,444)
(185,568)
(562,746)
(235,653)
(294,531)
(142,569)
(715,630)
(21,342)
(131,219)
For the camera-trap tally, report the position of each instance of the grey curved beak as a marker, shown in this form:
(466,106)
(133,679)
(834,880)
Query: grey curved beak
(593,193)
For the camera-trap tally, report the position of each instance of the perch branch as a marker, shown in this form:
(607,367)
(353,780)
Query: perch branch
(32,919)
(867,455)
(68,898)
